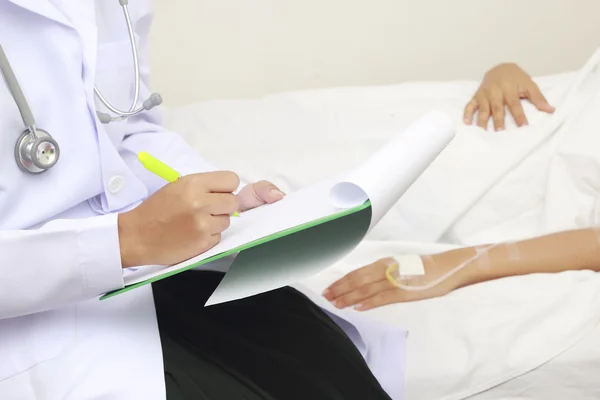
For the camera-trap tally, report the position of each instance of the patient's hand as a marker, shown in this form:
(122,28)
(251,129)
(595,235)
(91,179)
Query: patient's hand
(505,85)
(368,287)
(258,194)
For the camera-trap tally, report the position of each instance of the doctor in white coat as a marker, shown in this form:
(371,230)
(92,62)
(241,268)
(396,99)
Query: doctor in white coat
(69,230)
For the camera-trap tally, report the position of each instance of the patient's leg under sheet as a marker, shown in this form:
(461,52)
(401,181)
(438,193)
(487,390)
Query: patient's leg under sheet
(277,345)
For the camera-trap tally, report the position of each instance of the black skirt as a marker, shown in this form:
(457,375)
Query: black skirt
(273,346)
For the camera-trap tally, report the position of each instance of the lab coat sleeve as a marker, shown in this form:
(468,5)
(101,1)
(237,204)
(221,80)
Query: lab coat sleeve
(70,264)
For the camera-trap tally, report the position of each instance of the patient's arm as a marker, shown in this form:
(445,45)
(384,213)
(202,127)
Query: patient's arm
(558,252)
(504,86)
(368,286)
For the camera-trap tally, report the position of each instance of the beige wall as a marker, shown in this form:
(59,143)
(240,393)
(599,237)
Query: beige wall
(205,49)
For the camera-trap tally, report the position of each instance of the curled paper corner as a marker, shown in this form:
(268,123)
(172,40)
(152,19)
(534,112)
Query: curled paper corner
(344,195)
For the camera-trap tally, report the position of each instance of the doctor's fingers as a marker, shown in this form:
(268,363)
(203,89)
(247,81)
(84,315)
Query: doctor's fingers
(204,245)
(217,203)
(212,224)
(354,280)
(213,182)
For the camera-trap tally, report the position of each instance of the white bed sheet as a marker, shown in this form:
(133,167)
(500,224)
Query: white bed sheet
(534,337)
(488,341)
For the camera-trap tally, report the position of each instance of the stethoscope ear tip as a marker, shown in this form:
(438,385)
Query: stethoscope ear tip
(154,100)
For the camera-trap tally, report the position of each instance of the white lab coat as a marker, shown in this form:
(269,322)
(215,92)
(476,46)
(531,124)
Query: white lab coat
(57,341)
(59,245)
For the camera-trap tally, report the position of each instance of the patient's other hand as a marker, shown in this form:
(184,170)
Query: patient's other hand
(505,85)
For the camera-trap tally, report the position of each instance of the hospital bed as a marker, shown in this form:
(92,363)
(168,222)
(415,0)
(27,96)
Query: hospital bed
(533,337)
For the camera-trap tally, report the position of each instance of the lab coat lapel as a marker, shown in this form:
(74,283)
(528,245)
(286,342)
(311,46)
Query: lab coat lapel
(43,8)
(83,15)
(85,26)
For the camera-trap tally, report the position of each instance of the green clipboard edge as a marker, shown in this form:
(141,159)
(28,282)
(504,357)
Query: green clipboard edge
(238,249)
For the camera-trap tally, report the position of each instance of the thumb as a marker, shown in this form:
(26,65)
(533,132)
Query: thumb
(267,192)
(257,194)
(539,101)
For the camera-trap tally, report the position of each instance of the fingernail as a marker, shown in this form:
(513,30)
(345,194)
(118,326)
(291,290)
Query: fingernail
(334,303)
(278,192)
(359,307)
(500,129)
(326,292)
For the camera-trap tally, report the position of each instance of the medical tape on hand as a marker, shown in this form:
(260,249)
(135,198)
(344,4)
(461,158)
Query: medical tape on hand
(404,268)
(410,265)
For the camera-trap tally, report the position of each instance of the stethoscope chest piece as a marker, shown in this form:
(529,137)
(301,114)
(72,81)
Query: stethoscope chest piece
(36,152)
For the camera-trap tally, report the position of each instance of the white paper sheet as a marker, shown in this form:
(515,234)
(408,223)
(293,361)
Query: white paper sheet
(382,179)
(390,172)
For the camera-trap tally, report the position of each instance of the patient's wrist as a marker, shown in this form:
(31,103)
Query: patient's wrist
(481,270)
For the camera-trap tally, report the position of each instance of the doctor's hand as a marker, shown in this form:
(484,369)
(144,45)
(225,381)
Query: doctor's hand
(258,194)
(181,220)
(504,86)
(367,287)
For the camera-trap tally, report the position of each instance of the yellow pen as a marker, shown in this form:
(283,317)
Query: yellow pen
(161,169)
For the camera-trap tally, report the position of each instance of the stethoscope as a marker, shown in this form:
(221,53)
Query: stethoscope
(36,150)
